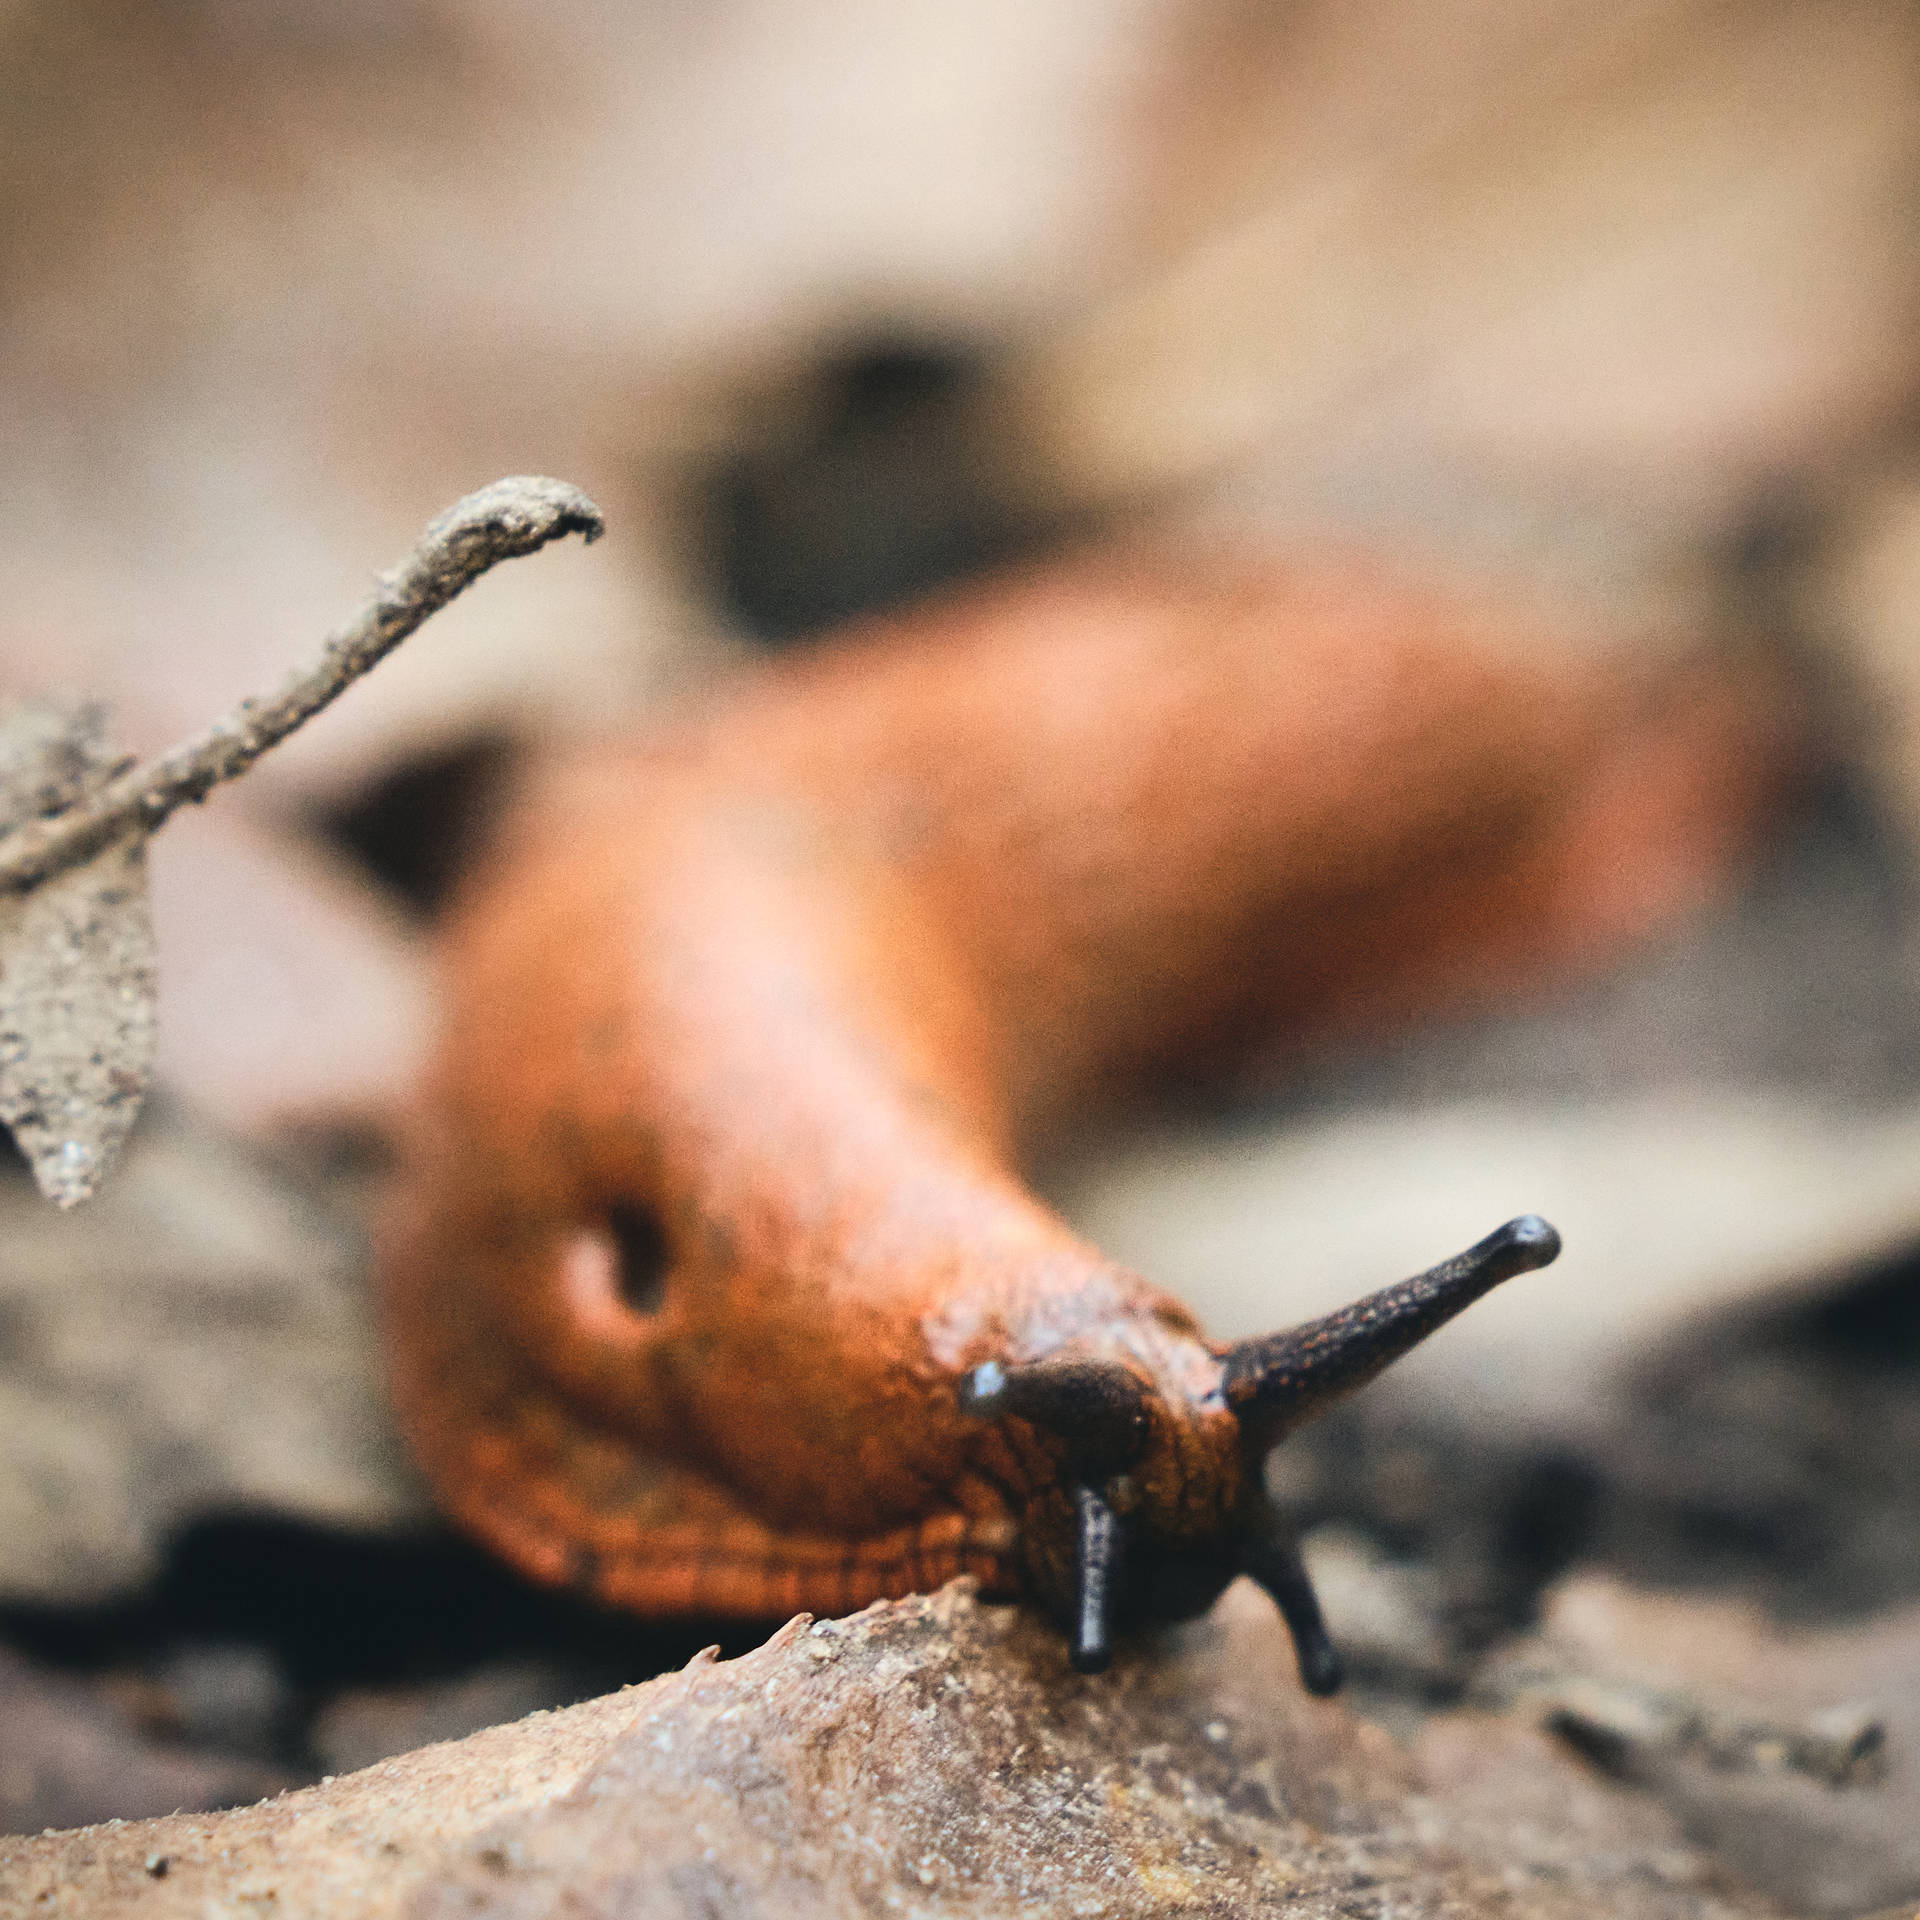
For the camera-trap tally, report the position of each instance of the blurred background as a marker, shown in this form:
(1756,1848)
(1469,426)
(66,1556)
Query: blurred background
(832,304)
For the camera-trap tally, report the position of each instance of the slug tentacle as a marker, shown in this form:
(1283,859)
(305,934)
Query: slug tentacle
(1097,1408)
(1270,1556)
(1099,1568)
(1277,1383)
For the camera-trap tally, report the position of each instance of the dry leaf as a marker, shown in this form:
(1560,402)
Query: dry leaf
(76,966)
(76,933)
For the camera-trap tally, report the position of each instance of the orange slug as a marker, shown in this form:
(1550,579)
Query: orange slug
(712,1284)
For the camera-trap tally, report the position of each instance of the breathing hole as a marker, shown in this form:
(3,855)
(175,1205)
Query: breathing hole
(642,1257)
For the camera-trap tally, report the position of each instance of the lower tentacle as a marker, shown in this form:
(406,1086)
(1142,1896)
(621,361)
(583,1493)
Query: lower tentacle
(1270,1555)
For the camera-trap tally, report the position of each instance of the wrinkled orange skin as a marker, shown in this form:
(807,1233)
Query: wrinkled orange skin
(803,976)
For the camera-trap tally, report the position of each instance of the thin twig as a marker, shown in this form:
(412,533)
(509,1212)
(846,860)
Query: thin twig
(500,522)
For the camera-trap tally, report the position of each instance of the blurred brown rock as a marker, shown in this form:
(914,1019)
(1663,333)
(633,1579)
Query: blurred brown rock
(1638,263)
(193,1340)
(69,1756)
(1818,1848)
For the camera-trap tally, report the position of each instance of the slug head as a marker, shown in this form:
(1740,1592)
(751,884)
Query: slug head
(1146,1523)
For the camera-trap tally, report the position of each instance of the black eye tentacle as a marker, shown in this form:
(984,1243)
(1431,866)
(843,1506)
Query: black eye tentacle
(1276,1383)
(1099,1408)
(1099,1548)
(1270,1554)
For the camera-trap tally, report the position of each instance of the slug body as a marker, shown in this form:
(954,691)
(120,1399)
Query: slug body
(713,1287)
